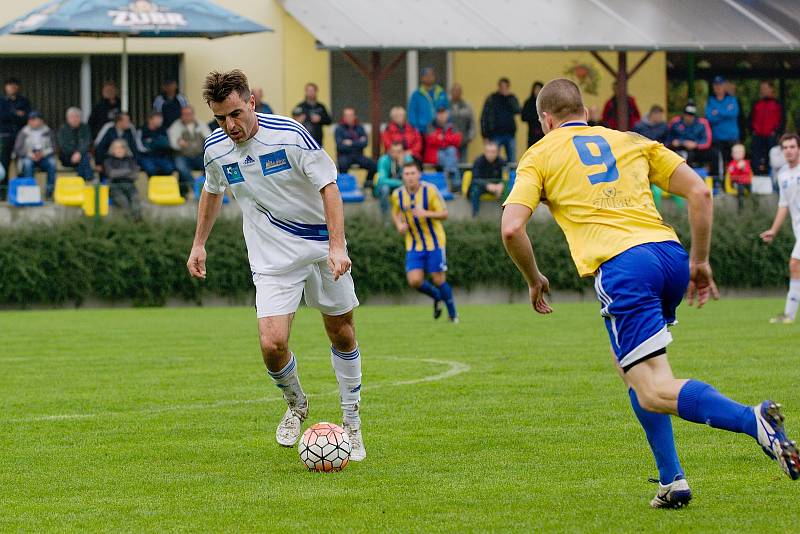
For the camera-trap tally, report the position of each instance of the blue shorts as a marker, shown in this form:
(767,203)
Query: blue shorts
(639,291)
(430,261)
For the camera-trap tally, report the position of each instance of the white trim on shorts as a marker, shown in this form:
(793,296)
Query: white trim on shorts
(654,343)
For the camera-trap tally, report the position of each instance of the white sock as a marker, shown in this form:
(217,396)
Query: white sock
(347,366)
(793,298)
(287,381)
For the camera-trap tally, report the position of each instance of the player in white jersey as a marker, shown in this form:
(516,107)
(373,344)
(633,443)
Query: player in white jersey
(789,205)
(293,225)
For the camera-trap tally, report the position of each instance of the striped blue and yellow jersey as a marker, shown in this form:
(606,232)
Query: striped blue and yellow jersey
(423,233)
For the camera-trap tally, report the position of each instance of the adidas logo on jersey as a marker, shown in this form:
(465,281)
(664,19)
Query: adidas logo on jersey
(248,160)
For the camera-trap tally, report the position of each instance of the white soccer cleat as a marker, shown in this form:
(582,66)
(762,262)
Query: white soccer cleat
(357,450)
(773,439)
(288,431)
(676,494)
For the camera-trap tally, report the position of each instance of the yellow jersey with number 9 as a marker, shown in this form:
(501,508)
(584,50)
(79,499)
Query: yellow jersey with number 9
(596,182)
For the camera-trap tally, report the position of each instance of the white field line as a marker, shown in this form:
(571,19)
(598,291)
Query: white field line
(454,368)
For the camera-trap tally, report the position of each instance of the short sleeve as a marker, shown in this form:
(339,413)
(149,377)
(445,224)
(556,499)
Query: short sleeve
(528,184)
(663,163)
(318,167)
(435,202)
(215,181)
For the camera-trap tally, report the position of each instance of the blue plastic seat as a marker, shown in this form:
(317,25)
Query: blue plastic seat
(198,188)
(24,191)
(348,187)
(438,179)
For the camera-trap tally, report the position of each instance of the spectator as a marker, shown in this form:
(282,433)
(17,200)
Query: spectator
(120,128)
(463,119)
(122,171)
(653,126)
(170,102)
(186,137)
(105,109)
(390,174)
(610,111)
(487,176)
(35,148)
(687,136)
(315,114)
(424,102)
(595,117)
(722,112)
(261,106)
(12,119)
(400,131)
(497,118)
(740,173)
(7,123)
(531,116)
(74,143)
(351,140)
(766,120)
(441,147)
(156,156)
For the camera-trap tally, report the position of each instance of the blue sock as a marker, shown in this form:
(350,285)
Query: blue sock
(698,402)
(430,290)
(447,297)
(658,429)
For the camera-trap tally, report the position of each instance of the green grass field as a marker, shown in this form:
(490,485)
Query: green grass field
(163,420)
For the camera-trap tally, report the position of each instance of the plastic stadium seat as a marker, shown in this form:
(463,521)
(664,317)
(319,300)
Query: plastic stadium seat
(69,190)
(198,188)
(438,179)
(24,191)
(348,187)
(88,200)
(164,190)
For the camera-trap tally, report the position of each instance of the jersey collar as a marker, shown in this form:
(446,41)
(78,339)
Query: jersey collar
(573,123)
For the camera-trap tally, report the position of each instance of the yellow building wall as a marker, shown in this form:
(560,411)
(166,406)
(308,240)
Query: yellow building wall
(478,73)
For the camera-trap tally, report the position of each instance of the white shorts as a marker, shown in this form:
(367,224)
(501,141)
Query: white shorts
(279,294)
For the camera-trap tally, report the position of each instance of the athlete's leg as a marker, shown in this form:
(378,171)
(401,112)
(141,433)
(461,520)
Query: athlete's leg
(793,297)
(346,361)
(437,266)
(416,280)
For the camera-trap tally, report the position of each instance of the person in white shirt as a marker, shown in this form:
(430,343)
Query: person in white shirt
(186,137)
(293,224)
(789,205)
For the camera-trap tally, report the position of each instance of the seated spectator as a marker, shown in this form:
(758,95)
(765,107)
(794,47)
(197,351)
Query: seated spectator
(498,121)
(156,157)
(487,176)
(122,171)
(441,147)
(261,106)
(740,173)
(105,109)
(186,137)
(120,128)
(399,130)
(351,140)
(610,111)
(390,174)
(170,102)
(74,142)
(653,126)
(688,136)
(35,148)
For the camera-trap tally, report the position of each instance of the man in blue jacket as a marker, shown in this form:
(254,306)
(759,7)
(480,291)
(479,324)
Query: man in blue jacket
(688,136)
(351,140)
(722,112)
(426,100)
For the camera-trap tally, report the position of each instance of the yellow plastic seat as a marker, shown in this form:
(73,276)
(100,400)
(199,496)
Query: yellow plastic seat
(88,200)
(729,186)
(164,190)
(69,190)
(466,181)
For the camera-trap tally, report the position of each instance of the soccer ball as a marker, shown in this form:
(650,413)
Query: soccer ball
(324,447)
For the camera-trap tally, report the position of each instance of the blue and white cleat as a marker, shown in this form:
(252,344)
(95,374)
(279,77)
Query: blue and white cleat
(773,440)
(676,494)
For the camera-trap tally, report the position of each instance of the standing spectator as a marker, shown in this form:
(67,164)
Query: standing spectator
(530,115)
(722,112)
(186,137)
(688,136)
(766,120)
(315,113)
(13,119)
(463,119)
(498,122)
(390,174)
(400,131)
(653,126)
(740,173)
(441,147)
(105,109)
(156,155)
(487,176)
(170,102)
(122,171)
(7,123)
(261,106)
(35,147)
(424,102)
(351,140)
(120,128)
(74,142)
(610,111)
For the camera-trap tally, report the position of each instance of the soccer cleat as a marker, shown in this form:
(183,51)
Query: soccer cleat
(437,309)
(357,450)
(781,319)
(773,440)
(288,431)
(454,320)
(676,494)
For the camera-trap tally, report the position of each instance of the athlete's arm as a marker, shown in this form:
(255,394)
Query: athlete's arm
(518,246)
(207,211)
(768,235)
(338,261)
(399,221)
(420,213)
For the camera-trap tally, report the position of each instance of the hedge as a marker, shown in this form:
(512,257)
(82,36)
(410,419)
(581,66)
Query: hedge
(144,263)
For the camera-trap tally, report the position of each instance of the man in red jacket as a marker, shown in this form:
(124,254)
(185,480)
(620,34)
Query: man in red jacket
(610,112)
(441,147)
(400,131)
(766,121)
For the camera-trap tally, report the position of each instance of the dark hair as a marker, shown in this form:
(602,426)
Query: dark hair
(412,163)
(121,114)
(219,85)
(106,83)
(789,137)
(656,109)
(11,80)
(397,143)
(536,84)
(770,83)
(503,80)
(154,114)
(561,98)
